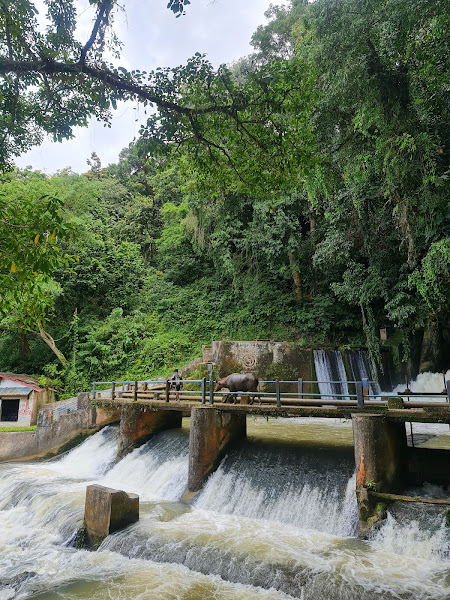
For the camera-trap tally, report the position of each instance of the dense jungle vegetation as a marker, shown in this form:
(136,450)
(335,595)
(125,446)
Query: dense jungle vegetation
(301,193)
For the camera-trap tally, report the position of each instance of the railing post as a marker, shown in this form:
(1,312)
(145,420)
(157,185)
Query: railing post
(93,391)
(300,387)
(359,394)
(365,388)
(203,389)
(447,385)
(277,392)
(113,390)
(167,390)
(135,390)
(211,391)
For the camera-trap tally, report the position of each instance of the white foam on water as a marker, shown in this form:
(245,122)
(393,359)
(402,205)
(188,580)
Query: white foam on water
(283,540)
(90,459)
(426,382)
(297,501)
(432,383)
(156,471)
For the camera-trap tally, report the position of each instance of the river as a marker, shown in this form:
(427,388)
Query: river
(277,520)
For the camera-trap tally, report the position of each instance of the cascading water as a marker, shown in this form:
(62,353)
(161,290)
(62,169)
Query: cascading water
(432,434)
(362,367)
(299,494)
(330,368)
(275,521)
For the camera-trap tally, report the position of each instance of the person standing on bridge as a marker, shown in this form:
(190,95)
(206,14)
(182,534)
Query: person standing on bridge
(176,384)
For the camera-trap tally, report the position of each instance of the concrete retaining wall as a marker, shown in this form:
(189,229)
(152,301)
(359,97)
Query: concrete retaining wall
(17,445)
(265,358)
(270,359)
(58,424)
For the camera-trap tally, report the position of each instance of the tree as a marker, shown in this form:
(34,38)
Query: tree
(52,82)
(381,124)
(32,231)
(32,228)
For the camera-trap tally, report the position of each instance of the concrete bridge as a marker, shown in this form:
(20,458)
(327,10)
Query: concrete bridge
(384,462)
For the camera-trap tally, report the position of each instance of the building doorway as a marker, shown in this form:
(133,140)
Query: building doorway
(10,410)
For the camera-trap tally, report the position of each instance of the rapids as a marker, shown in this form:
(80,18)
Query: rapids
(277,520)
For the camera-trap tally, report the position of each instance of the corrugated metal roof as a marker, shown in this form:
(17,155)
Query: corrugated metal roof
(14,391)
(26,380)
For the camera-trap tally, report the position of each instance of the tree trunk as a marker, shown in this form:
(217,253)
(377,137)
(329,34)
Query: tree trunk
(24,346)
(312,220)
(296,277)
(405,227)
(51,344)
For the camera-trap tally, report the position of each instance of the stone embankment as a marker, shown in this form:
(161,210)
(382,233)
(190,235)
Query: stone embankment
(58,424)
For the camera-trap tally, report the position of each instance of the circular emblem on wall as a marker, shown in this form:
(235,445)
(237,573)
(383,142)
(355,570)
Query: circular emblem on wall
(249,361)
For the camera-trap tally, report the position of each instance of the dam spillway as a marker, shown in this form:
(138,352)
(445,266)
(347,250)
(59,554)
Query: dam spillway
(276,520)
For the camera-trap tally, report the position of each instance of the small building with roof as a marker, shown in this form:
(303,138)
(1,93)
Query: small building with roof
(20,398)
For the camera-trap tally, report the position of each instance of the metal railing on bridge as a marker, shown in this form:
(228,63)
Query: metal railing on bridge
(202,391)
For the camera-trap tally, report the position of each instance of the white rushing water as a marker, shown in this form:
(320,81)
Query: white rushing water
(277,520)
(299,494)
(426,382)
(363,367)
(330,368)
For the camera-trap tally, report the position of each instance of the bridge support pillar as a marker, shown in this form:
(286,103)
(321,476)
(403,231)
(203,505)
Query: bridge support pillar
(381,462)
(212,432)
(137,425)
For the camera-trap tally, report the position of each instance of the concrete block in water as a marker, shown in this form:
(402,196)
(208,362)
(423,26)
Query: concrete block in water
(107,510)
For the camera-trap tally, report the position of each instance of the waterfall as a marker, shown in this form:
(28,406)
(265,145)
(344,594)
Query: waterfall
(156,471)
(330,368)
(362,367)
(286,487)
(91,459)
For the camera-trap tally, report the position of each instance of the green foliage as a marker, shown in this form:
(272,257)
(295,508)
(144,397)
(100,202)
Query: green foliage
(432,279)
(280,372)
(48,382)
(32,231)
(74,383)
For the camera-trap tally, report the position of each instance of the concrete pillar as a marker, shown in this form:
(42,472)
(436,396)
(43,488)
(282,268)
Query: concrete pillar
(107,510)
(381,461)
(138,425)
(212,432)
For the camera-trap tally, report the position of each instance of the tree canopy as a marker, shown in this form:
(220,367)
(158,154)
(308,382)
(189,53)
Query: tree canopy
(53,82)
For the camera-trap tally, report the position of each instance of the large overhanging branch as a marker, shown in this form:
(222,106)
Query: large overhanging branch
(60,83)
(108,78)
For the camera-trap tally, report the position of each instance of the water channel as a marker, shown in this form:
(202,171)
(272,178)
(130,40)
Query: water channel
(277,520)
